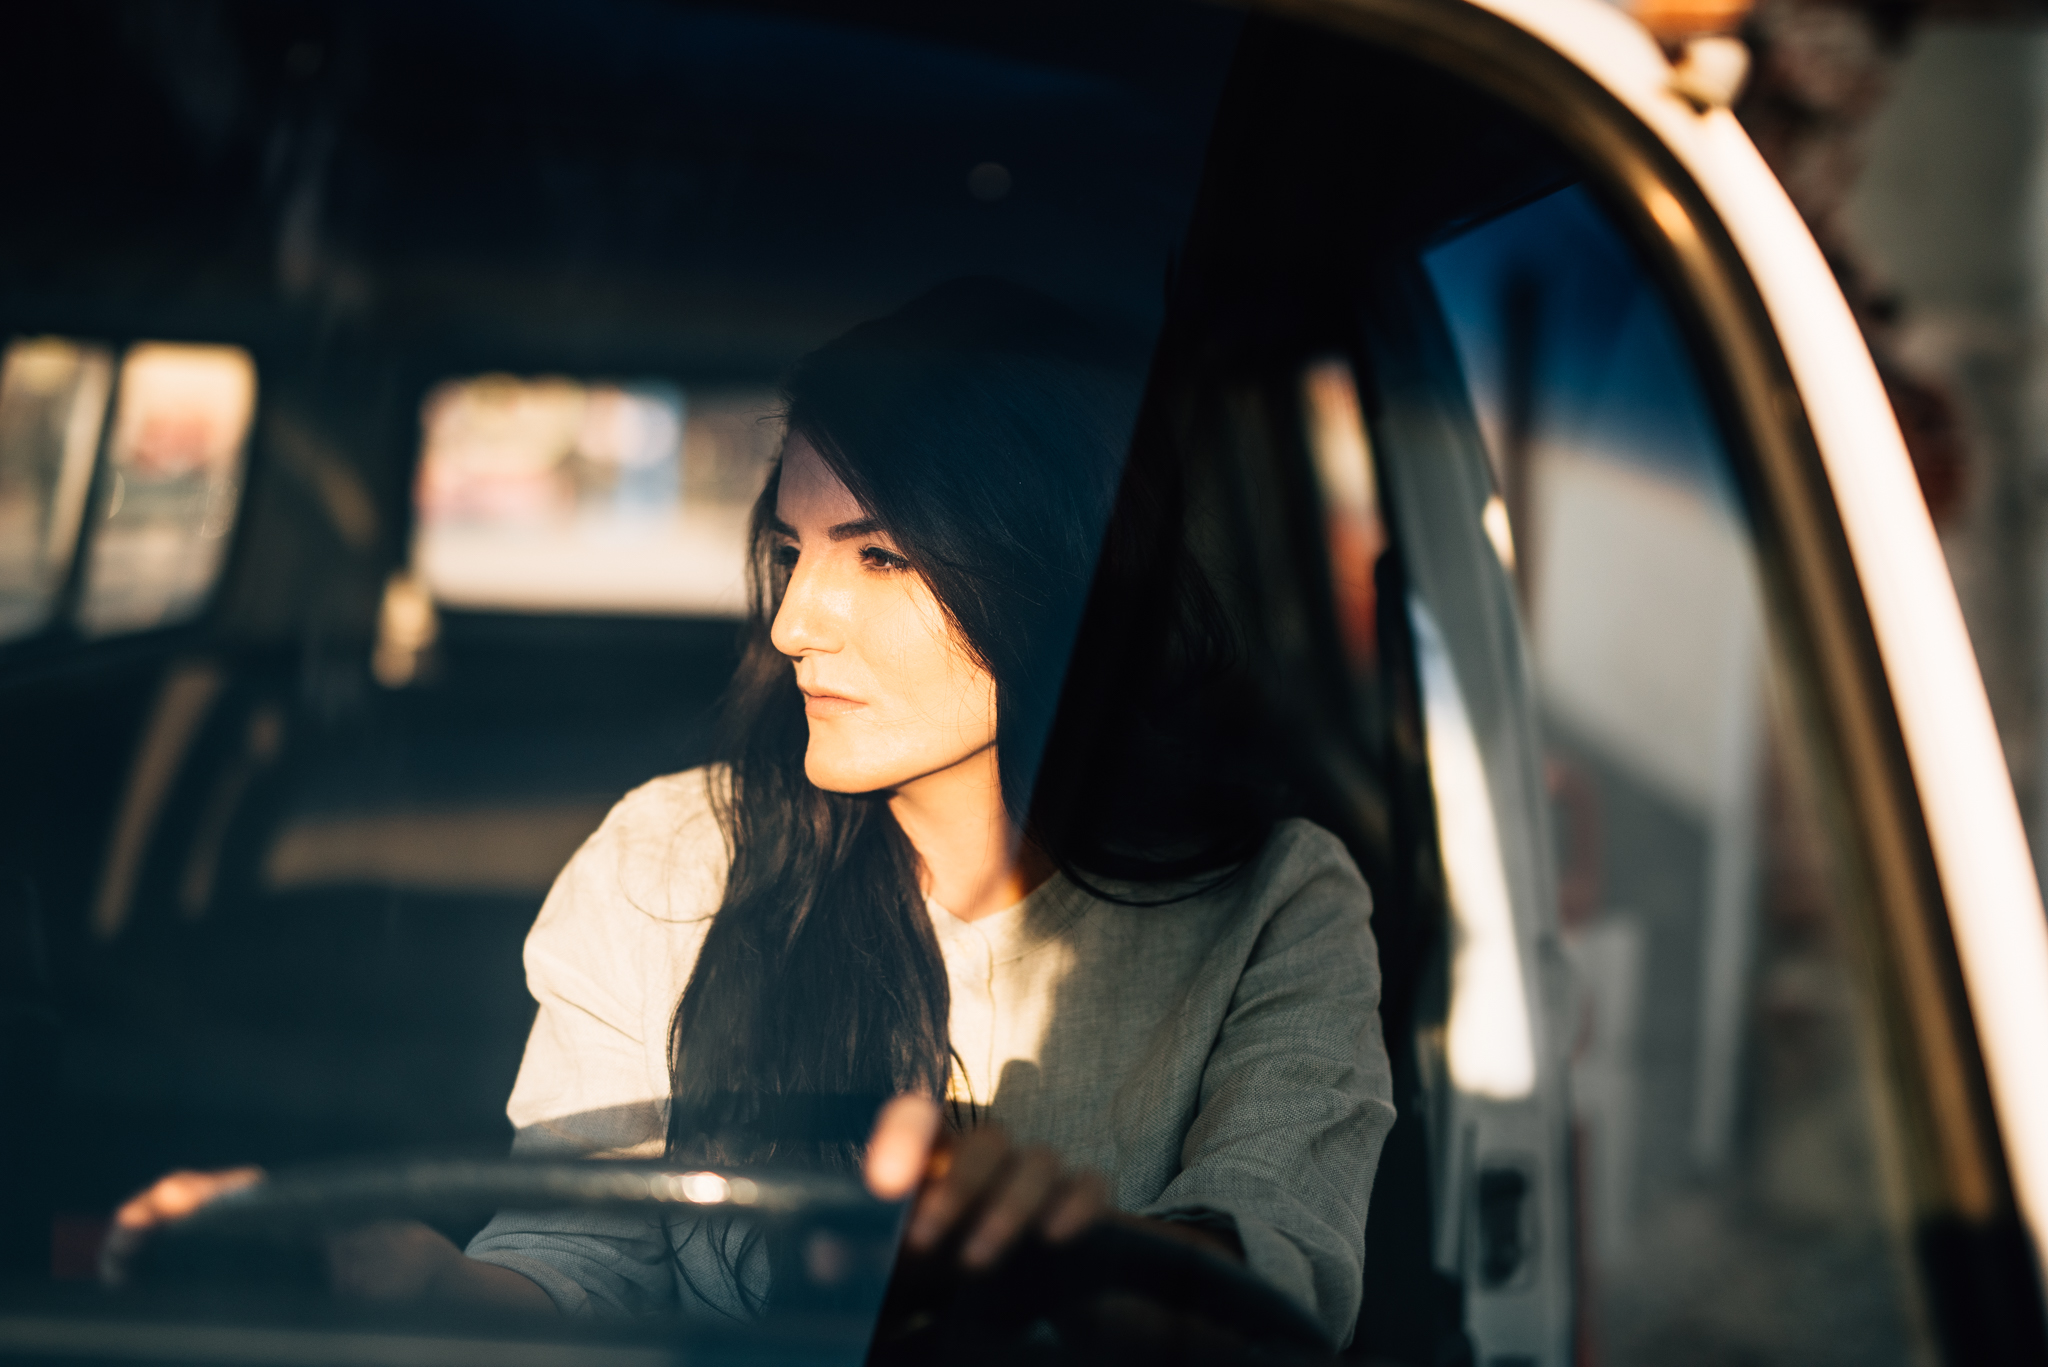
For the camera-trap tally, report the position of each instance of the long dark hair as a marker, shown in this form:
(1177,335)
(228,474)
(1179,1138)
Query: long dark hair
(986,427)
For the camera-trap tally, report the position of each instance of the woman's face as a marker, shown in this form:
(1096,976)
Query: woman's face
(892,693)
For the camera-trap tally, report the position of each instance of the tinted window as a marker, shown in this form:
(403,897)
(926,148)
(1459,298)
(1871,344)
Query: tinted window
(1729,1139)
(526,286)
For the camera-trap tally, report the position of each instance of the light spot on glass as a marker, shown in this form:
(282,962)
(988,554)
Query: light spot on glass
(1487,1037)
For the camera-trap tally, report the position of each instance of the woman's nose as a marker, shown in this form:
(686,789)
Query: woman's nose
(806,621)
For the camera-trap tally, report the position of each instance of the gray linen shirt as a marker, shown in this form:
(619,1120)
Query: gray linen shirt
(1217,1058)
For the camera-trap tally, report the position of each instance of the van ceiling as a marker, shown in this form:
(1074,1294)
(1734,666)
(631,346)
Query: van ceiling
(590,181)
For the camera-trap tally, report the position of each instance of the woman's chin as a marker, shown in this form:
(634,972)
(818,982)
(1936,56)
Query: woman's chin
(838,776)
(857,769)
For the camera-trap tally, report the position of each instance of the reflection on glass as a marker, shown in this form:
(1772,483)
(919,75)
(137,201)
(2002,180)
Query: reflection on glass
(1728,1162)
(1500,532)
(553,495)
(53,400)
(407,627)
(1351,512)
(168,500)
(1486,1036)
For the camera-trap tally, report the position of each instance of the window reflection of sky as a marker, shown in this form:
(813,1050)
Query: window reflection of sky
(1605,370)
(1643,607)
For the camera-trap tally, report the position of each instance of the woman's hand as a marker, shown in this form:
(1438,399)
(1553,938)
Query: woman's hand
(170,1198)
(391,1261)
(983,1191)
(978,1188)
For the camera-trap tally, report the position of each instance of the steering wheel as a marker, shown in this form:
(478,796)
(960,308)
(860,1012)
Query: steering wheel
(272,1234)
(1130,1294)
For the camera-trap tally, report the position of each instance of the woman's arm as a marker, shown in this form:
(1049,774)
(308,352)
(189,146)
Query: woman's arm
(171,1197)
(401,1261)
(1296,1095)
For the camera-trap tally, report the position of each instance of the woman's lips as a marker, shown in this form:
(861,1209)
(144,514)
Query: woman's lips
(829,704)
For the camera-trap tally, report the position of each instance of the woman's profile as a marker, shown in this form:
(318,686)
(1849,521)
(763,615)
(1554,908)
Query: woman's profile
(1096,972)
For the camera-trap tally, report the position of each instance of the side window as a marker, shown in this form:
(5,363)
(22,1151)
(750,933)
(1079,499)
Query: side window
(557,495)
(1491,1050)
(162,501)
(173,481)
(1352,524)
(53,400)
(1726,1133)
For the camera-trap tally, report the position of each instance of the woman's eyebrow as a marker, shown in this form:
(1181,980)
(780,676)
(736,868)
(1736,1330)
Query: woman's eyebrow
(846,531)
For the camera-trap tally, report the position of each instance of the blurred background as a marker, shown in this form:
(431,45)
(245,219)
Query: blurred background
(1913,137)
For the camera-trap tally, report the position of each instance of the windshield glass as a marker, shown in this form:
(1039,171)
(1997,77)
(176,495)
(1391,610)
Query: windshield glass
(805,679)
(676,652)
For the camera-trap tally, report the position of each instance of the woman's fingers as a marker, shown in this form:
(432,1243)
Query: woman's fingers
(958,1186)
(179,1194)
(1027,1183)
(976,1183)
(900,1149)
(170,1198)
(1081,1201)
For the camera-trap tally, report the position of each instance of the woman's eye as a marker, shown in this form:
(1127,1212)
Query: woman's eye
(785,556)
(874,557)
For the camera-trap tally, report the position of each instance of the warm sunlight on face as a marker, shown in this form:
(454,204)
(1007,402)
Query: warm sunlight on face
(892,694)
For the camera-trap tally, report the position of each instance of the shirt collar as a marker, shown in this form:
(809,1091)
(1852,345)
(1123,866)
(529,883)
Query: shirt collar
(1018,929)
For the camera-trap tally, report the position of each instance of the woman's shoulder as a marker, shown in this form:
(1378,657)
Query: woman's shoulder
(611,949)
(1296,854)
(661,851)
(1301,871)
(1306,910)
(1301,860)
(660,807)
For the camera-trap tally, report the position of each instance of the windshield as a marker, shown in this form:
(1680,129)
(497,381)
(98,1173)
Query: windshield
(661,504)
(807,681)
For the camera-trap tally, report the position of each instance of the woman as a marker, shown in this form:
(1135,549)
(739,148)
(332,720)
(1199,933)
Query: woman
(1138,995)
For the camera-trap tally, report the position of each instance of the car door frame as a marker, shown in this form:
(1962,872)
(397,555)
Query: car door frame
(1861,601)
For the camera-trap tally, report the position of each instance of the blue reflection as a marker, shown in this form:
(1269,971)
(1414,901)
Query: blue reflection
(1568,346)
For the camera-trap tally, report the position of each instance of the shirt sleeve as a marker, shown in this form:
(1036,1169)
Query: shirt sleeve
(603,1264)
(605,962)
(587,1053)
(1296,1097)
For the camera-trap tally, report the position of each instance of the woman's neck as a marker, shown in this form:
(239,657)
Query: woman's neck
(976,861)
